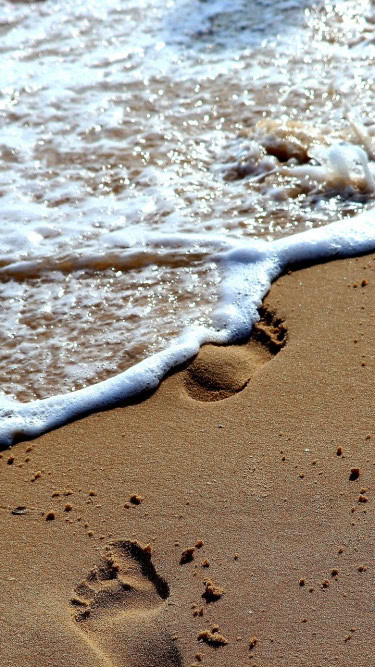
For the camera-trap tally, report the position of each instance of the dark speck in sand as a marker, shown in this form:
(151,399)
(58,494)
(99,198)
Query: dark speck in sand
(354,474)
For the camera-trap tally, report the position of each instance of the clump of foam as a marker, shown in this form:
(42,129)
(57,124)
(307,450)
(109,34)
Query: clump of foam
(344,165)
(312,158)
(249,268)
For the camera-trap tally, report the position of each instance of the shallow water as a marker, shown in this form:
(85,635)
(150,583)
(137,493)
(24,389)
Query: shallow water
(136,137)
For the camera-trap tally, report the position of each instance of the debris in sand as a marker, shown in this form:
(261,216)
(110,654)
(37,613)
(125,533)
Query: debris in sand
(198,612)
(21,509)
(187,555)
(354,474)
(212,638)
(78,602)
(135,499)
(212,592)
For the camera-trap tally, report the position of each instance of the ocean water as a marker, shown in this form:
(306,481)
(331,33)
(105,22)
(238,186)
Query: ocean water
(161,162)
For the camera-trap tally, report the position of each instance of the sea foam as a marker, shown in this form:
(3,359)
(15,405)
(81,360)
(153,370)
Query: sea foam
(249,267)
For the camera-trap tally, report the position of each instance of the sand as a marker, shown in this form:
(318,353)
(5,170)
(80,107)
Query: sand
(249,473)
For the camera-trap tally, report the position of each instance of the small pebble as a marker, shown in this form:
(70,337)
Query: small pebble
(354,474)
(187,555)
(21,509)
(135,499)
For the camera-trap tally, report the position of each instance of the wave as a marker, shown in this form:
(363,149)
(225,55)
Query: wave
(248,267)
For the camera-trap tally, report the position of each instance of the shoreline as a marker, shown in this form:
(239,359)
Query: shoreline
(261,478)
(249,270)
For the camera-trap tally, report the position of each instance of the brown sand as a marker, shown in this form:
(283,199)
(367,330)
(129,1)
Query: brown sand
(263,478)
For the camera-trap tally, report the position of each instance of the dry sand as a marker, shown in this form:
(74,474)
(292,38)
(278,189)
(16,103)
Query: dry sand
(187,530)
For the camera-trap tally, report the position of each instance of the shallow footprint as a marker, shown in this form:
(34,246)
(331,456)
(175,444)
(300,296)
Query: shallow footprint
(121,607)
(221,371)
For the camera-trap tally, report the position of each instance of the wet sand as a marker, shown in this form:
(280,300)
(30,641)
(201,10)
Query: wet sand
(186,530)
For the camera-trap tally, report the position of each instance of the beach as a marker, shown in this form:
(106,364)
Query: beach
(187,276)
(185,530)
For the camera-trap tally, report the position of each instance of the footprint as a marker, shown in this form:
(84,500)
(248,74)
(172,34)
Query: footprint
(121,609)
(221,371)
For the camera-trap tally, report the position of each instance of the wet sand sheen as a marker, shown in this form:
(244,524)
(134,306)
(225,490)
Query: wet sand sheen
(258,487)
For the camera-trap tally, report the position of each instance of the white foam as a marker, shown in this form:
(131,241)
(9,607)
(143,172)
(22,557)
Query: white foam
(249,268)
